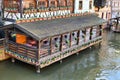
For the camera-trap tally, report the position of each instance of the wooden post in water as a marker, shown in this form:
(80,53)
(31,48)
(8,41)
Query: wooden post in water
(37,69)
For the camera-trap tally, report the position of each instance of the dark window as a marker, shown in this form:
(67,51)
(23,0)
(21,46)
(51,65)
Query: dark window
(31,5)
(90,5)
(106,15)
(102,15)
(69,3)
(61,3)
(13,4)
(80,4)
(52,3)
(41,4)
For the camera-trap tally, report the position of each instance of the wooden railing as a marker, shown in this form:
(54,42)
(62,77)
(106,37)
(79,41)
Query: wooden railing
(44,51)
(22,50)
(2,41)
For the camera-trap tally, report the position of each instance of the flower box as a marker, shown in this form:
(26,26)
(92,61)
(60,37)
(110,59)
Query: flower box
(18,21)
(32,20)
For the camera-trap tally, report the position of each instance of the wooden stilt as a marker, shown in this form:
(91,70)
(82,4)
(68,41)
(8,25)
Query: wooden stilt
(100,44)
(13,60)
(60,61)
(77,54)
(37,69)
(90,47)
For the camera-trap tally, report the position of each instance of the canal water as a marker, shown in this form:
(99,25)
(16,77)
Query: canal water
(96,63)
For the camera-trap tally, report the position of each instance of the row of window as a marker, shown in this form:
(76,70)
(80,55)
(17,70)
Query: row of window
(40,4)
(81,4)
(115,4)
(43,4)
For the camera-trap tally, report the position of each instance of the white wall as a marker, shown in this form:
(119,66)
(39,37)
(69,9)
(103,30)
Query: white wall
(85,6)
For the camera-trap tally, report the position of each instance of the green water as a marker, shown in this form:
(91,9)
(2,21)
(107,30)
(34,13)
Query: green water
(97,63)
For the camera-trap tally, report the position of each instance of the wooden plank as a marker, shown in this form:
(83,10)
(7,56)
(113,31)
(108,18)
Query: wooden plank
(70,39)
(61,43)
(91,29)
(50,45)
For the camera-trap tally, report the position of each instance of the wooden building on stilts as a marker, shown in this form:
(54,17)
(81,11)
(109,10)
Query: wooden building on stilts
(46,31)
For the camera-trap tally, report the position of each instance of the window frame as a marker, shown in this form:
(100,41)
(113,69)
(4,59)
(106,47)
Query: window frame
(90,4)
(52,4)
(80,4)
(41,4)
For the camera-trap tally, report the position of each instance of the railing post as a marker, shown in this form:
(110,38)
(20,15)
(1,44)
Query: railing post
(70,39)
(100,29)
(39,47)
(78,37)
(6,38)
(50,45)
(91,33)
(61,42)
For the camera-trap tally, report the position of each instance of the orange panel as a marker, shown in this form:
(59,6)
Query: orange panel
(21,39)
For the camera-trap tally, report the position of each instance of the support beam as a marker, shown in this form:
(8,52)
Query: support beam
(50,45)
(61,43)
(117,24)
(39,47)
(100,27)
(37,69)
(85,35)
(91,29)
(13,60)
(61,61)
(70,40)
(78,37)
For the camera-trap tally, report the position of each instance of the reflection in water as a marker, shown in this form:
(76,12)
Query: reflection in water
(98,63)
(109,57)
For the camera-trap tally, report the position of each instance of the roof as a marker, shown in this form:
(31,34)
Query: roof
(5,24)
(47,28)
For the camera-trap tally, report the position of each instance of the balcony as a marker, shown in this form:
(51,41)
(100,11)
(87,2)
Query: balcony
(13,10)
